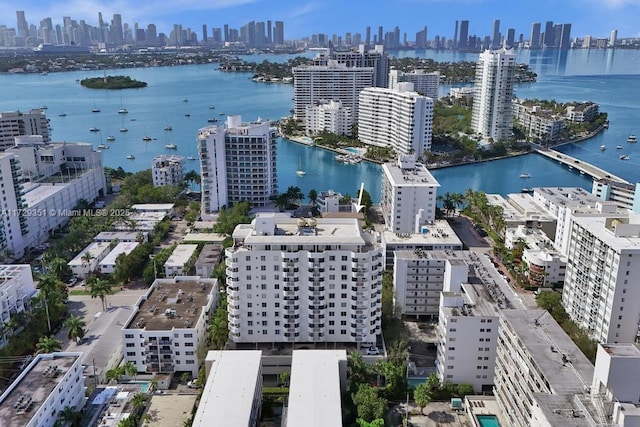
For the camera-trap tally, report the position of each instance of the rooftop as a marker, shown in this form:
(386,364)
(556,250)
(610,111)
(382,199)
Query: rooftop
(11,271)
(417,177)
(172,303)
(94,248)
(121,248)
(619,233)
(622,350)
(36,193)
(566,196)
(438,233)
(181,255)
(165,207)
(209,255)
(477,301)
(227,399)
(123,236)
(22,400)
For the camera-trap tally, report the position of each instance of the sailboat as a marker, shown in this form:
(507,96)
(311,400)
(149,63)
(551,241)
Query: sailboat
(122,110)
(300,171)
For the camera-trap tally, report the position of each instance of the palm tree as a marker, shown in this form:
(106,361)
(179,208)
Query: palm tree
(130,369)
(313,197)
(76,327)
(138,400)
(48,345)
(86,257)
(69,417)
(99,288)
(57,267)
(114,374)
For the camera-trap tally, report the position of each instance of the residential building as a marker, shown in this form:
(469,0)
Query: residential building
(435,236)
(167,170)
(465,92)
(169,324)
(545,264)
(16,290)
(232,394)
(108,263)
(121,236)
(208,260)
(328,116)
(409,192)
(88,259)
(15,123)
(521,209)
(44,388)
(427,84)
(492,112)
(581,112)
(329,201)
(318,380)
(538,124)
(622,193)
(304,280)
(398,118)
(313,84)
(180,260)
(228,176)
(375,58)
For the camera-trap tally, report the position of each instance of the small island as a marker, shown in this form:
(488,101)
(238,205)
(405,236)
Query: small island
(112,82)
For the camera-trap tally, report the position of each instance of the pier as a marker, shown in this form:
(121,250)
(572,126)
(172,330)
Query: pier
(581,166)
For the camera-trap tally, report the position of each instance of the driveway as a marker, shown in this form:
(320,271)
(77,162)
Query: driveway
(467,233)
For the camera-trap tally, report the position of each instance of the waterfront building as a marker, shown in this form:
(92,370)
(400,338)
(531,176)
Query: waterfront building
(232,394)
(318,380)
(168,325)
(313,84)
(409,192)
(16,290)
(208,260)
(565,37)
(88,259)
(304,280)
(329,201)
(427,84)
(15,123)
(623,194)
(492,111)
(167,170)
(375,58)
(398,118)
(538,124)
(465,92)
(108,263)
(48,385)
(228,175)
(581,112)
(180,261)
(613,38)
(328,116)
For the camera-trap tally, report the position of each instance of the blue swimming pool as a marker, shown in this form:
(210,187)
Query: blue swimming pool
(353,150)
(488,420)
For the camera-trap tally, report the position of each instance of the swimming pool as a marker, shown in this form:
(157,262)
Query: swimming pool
(144,387)
(488,420)
(353,150)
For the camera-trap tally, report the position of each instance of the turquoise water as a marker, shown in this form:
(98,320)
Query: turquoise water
(144,387)
(488,420)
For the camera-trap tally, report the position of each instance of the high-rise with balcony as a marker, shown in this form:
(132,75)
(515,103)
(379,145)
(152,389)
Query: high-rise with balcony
(238,163)
(304,280)
(15,123)
(492,111)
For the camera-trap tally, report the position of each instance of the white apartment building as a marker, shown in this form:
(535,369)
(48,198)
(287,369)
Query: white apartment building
(169,324)
(297,280)
(232,395)
(600,292)
(546,265)
(16,290)
(13,225)
(15,123)
(167,170)
(180,260)
(581,112)
(427,84)
(495,76)
(43,389)
(419,277)
(399,118)
(108,263)
(313,84)
(121,236)
(538,124)
(238,163)
(624,194)
(318,379)
(328,116)
(374,58)
(88,259)
(409,194)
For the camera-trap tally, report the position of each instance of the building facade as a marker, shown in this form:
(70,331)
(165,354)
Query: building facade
(492,109)
(167,170)
(181,260)
(16,291)
(398,118)
(297,280)
(427,84)
(15,123)
(328,116)
(538,124)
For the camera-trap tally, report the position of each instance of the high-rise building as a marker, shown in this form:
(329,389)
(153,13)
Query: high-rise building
(427,84)
(510,41)
(328,116)
(167,170)
(496,38)
(565,37)
(367,38)
(269,33)
(375,58)
(204,33)
(549,35)
(15,123)
(304,280)
(398,118)
(534,39)
(557,35)
(23,27)
(454,43)
(278,33)
(116,32)
(613,39)
(228,175)
(421,38)
(463,42)
(492,110)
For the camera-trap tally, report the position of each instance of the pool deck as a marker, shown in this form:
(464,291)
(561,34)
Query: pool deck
(483,405)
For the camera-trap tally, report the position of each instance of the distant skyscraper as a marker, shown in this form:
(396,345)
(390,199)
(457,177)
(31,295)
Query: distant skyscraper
(278,34)
(204,33)
(269,32)
(495,74)
(463,42)
(549,35)
(23,27)
(152,33)
(421,39)
(226,32)
(613,38)
(557,35)
(380,36)
(565,37)
(495,40)
(534,40)
(454,45)
(511,38)
(367,39)
(117,34)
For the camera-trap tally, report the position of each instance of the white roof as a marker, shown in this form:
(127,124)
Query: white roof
(180,255)
(94,248)
(228,394)
(121,248)
(153,207)
(314,394)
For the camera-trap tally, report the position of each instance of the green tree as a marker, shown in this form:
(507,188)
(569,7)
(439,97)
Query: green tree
(358,372)
(422,395)
(58,267)
(70,417)
(138,400)
(378,422)
(130,370)
(99,288)
(228,219)
(48,345)
(365,201)
(313,197)
(465,389)
(76,327)
(369,405)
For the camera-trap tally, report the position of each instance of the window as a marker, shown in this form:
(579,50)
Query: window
(131,353)
(250,323)
(250,332)
(188,335)
(129,336)
(130,344)
(188,344)
(190,362)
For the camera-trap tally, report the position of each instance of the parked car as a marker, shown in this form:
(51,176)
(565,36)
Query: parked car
(72,282)
(373,351)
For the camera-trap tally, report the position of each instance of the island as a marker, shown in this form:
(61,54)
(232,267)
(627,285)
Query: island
(112,82)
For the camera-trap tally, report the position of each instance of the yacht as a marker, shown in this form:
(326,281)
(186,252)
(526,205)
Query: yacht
(103,146)
(146,138)
(123,111)
(618,147)
(212,107)
(95,110)
(131,157)
(603,147)
(190,158)
(171,146)
(624,157)
(185,100)
(63,114)
(525,175)
(300,171)
(168,128)
(187,114)
(632,138)
(111,138)
(124,129)
(94,129)
(212,120)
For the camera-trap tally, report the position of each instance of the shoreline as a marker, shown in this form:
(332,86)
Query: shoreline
(299,140)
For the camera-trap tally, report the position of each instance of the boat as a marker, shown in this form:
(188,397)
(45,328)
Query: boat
(212,120)
(624,157)
(122,110)
(43,107)
(103,146)
(525,175)
(212,107)
(526,190)
(190,158)
(111,138)
(185,100)
(581,172)
(168,128)
(603,147)
(222,114)
(606,125)
(94,129)
(300,171)
(63,114)
(124,129)
(171,146)
(187,114)
(618,147)
(131,157)
(146,138)
(632,138)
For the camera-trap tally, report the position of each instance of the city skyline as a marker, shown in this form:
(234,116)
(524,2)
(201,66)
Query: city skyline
(320,17)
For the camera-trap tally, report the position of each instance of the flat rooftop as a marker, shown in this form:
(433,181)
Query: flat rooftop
(478,301)
(94,248)
(418,177)
(121,248)
(184,299)
(209,255)
(603,227)
(439,233)
(180,255)
(203,237)
(566,196)
(123,236)
(153,207)
(22,400)
(36,193)
(315,392)
(526,205)
(11,271)
(622,350)
(227,399)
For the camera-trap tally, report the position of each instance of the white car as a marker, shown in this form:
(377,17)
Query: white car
(72,282)
(373,351)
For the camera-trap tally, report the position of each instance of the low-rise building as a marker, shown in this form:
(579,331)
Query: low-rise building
(180,260)
(167,170)
(44,388)
(232,394)
(208,260)
(330,201)
(88,259)
(108,264)
(546,265)
(16,289)
(581,112)
(538,124)
(169,324)
(122,236)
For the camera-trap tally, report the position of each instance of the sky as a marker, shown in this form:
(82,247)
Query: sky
(303,18)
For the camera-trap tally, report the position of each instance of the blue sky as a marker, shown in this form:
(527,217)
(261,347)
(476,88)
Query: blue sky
(593,17)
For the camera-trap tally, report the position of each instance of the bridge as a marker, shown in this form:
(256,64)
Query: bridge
(581,166)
